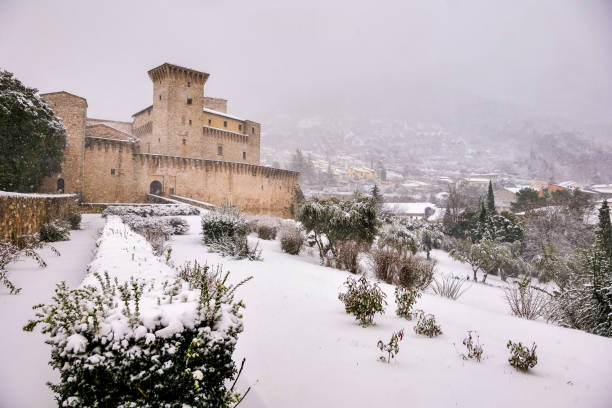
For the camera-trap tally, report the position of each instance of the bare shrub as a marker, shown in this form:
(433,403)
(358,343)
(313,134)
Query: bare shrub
(382,260)
(525,300)
(449,287)
(391,348)
(414,272)
(347,257)
(473,346)
(291,238)
(10,252)
(266,227)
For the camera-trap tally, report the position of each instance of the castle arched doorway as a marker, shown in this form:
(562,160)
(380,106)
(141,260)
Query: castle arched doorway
(60,185)
(155,188)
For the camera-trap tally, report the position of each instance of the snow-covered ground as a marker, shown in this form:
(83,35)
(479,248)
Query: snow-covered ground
(24,357)
(303,350)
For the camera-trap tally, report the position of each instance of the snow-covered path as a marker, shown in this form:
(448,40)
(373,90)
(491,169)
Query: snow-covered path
(302,350)
(24,356)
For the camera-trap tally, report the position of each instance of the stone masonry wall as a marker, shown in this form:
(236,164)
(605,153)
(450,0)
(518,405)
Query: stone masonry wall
(23,214)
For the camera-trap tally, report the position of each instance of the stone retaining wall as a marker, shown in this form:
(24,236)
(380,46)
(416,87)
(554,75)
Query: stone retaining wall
(22,214)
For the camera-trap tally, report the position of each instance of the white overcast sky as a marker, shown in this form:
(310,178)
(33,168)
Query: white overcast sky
(547,56)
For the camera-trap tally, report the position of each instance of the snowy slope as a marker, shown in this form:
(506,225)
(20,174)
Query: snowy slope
(302,349)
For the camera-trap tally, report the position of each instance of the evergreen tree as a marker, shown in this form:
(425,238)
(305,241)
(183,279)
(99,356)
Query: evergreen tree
(604,231)
(490,198)
(32,138)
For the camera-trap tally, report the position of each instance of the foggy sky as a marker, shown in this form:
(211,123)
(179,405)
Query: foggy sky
(547,57)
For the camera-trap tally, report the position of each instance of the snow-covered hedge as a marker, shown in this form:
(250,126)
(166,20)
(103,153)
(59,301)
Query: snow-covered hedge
(134,334)
(154,210)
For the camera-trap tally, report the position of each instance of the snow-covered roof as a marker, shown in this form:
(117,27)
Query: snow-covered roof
(214,112)
(602,188)
(125,127)
(408,208)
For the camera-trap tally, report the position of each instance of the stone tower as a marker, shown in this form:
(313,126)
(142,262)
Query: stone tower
(72,110)
(178,100)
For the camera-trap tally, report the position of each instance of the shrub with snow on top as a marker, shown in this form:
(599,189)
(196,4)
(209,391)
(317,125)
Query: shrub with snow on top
(363,300)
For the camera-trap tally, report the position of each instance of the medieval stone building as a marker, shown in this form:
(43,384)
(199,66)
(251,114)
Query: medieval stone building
(185,145)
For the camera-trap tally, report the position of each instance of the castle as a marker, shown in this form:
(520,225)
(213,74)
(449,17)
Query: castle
(184,146)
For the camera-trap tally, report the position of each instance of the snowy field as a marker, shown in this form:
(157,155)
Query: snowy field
(303,350)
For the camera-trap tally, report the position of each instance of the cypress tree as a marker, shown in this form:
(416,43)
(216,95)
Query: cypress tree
(604,231)
(490,198)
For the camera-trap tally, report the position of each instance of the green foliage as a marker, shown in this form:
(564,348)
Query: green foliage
(490,199)
(100,367)
(334,221)
(494,227)
(363,300)
(527,199)
(521,357)
(32,138)
(391,348)
(427,326)
(225,231)
(585,302)
(491,257)
(74,219)
(56,230)
(405,299)
(473,346)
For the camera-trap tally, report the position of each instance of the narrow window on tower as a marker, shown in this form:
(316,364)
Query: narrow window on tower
(243,155)
(188,101)
(239,127)
(189,122)
(184,141)
(252,130)
(188,84)
(209,122)
(160,97)
(112,172)
(220,150)
(225,123)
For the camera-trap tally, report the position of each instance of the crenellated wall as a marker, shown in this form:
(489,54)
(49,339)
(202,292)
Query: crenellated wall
(254,189)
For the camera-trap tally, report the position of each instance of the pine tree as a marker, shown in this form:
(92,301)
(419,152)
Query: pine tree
(32,138)
(490,198)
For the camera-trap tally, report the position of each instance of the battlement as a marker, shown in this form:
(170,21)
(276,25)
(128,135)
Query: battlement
(167,70)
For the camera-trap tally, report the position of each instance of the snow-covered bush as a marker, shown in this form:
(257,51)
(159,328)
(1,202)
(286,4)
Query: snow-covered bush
(449,287)
(426,325)
(56,230)
(334,221)
(134,334)
(224,230)
(405,300)
(223,222)
(473,346)
(414,272)
(392,347)
(521,357)
(180,225)
(264,226)
(363,300)
(25,247)
(525,300)
(156,230)
(291,238)
(152,210)
(74,219)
